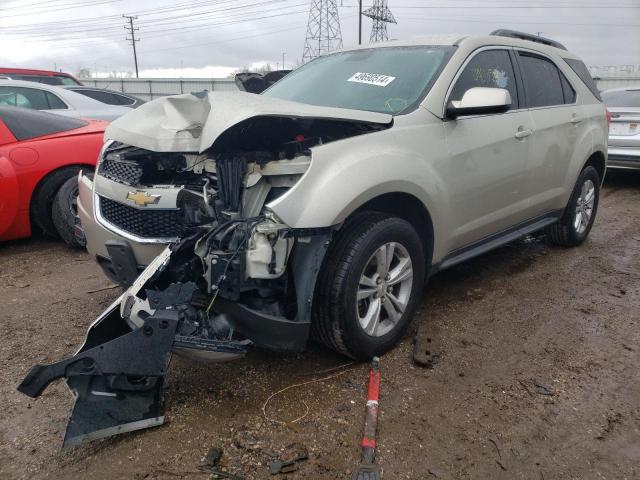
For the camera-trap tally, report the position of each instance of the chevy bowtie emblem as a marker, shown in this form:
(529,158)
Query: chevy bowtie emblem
(142,198)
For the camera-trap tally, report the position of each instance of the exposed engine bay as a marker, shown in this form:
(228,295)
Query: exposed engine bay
(233,277)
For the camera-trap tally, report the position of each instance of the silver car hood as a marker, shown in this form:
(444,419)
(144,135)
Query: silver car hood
(193,122)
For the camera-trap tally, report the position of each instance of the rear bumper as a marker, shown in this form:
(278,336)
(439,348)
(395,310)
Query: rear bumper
(97,234)
(624,157)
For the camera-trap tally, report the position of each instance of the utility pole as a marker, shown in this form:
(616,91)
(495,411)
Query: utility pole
(359,22)
(283,60)
(132,31)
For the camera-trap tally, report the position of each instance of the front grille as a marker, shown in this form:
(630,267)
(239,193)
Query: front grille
(151,223)
(121,171)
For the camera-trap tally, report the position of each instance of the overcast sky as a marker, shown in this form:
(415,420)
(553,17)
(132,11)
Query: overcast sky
(212,38)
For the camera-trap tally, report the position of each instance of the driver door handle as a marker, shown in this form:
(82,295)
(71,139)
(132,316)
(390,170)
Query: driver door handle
(523,132)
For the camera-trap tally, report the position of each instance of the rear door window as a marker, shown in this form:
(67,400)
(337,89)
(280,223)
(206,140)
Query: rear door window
(542,82)
(489,68)
(24,97)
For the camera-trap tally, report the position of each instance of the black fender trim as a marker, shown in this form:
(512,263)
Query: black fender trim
(268,331)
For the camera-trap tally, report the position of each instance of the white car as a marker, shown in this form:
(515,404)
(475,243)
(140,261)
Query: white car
(623,105)
(38,96)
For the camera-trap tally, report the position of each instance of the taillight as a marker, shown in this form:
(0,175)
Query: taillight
(608,118)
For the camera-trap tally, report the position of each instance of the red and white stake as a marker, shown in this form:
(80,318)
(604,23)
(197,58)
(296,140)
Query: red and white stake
(371,419)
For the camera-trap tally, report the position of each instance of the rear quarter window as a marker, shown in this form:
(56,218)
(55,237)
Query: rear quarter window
(122,100)
(99,95)
(55,103)
(582,71)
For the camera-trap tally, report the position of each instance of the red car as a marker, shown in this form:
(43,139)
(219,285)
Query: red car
(41,76)
(40,157)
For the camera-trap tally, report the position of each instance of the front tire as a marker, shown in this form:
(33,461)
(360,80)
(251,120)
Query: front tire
(64,213)
(43,198)
(575,224)
(369,286)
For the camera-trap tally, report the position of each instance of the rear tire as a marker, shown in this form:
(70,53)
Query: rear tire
(64,213)
(369,285)
(575,224)
(43,198)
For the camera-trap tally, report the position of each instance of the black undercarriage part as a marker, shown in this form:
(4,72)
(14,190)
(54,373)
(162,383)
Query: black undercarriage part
(118,374)
(118,383)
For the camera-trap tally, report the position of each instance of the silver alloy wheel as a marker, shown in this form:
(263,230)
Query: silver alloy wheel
(384,289)
(584,206)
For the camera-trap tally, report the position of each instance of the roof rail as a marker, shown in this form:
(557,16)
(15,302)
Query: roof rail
(527,36)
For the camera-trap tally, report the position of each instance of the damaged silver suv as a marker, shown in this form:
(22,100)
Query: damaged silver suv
(320,207)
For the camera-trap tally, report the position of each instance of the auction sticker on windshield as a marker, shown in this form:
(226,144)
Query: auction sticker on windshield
(372,79)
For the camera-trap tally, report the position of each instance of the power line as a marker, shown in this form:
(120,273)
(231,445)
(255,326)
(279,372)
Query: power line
(76,41)
(63,6)
(493,21)
(506,6)
(132,31)
(228,21)
(217,15)
(111,18)
(169,20)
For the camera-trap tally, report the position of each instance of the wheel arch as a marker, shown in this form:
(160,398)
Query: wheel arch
(42,181)
(598,161)
(408,207)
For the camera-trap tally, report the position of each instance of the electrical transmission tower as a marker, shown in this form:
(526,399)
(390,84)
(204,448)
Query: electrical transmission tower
(132,31)
(381,15)
(323,29)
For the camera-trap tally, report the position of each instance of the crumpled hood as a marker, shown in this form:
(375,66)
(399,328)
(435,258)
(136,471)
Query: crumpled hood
(193,122)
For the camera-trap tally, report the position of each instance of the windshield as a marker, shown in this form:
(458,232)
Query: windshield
(622,98)
(386,80)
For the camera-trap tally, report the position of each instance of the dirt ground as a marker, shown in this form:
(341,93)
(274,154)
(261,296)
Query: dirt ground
(538,376)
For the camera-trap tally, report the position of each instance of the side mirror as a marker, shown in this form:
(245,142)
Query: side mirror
(479,101)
